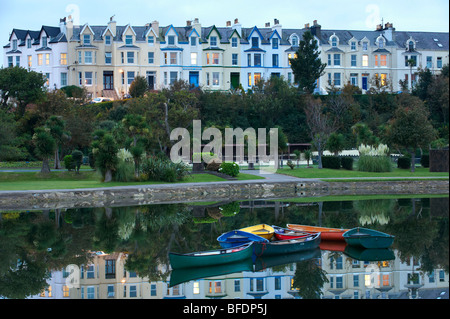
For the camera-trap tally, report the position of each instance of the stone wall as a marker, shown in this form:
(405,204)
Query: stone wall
(218,191)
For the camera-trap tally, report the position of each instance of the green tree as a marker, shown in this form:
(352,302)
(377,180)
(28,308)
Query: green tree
(57,129)
(138,87)
(21,85)
(105,150)
(335,143)
(307,66)
(77,157)
(45,146)
(410,128)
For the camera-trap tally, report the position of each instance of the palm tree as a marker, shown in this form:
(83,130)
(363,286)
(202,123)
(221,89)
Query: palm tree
(45,146)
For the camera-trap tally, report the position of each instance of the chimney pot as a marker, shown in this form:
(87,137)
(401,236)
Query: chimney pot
(267,24)
(236,21)
(228,23)
(188,23)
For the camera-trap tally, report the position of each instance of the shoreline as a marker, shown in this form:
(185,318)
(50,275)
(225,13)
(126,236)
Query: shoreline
(275,186)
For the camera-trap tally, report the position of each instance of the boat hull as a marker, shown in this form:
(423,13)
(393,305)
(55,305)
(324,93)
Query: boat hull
(263,230)
(238,237)
(368,238)
(285,233)
(211,258)
(327,233)
(288,246)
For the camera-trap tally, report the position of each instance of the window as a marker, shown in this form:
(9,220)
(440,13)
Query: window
(383,60)
(411,45)
(215,80)
(14,45)
(249,60)
(429,62)
(255,42)
(80,57)
(355,280)
(193,58)
(329,59)
(173,77)
(63,79)
(337,59)
(365,46)
(151,57)
(380,43)
(44,42)
(193,41)
(213,41)
(110,269)
(275,43)
(353,46)
(63,58)
(130,57)
(383,79)
(234,59)
(365,60)
(196,288)
(275,60)
(153,290)
(110,291)
(237,285)
(353,60)
(171,40)
(173,58)
(88,82)
(86,39)
(334,42)
(376,60)
(439,62)
(294,41)
(108,58)
(29,43)
(151,40)
(133,291)
(207,79)
(90,268)
(277,283)
(354,79)
(234,42)
(80,82)
(165,78)
(108,40)
(257,59)
(130,77)
(337,79)
(249,79)
(18,60)
(88,57)
(257,78)
(128,40)
(30,61)
(47,59)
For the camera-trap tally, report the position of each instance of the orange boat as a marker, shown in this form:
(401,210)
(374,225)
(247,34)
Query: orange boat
(327,233)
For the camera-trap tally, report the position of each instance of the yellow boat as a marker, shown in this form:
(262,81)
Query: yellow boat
(262,230)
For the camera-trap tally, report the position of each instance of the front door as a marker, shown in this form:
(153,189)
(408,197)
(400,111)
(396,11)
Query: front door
(364,82)
(194,78)
(234,80)
(151,79)
(108,80)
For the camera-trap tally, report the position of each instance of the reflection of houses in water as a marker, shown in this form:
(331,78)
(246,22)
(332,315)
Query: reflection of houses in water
(106,278)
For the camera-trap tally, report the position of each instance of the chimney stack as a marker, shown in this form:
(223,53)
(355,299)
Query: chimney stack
(188,23)
(267,24)
(306,25)
(228,23)
(237,26)
(316,29)
(379,27)
(276,21)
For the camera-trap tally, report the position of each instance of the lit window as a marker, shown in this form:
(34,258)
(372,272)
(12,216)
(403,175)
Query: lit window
(30,63)
(216,76)
(88,82)
(173,58)
(193,58)
(383,60)
(47,59)
(365,60)
(63,58)
(257,77)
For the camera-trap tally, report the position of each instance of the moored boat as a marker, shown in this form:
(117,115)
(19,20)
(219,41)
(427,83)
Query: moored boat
(238,237)
(327,232)
(285,233)
(287,246)
(262,230)
(212,257)
(368,238)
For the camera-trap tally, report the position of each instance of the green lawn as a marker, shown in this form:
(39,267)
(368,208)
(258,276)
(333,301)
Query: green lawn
(89,179)
(343,173)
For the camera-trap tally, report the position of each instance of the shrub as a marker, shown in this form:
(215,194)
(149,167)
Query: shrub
(213,165)
(333,162)
(374,164)
(231,169)
(347,163)
(77,157)
(404,162)
(425,160)
(124,172)
(290,164)
(69,163)
(161,169)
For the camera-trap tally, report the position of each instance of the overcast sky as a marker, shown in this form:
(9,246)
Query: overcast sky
(410,15)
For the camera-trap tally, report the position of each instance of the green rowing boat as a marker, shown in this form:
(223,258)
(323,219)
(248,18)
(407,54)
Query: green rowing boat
(368,238)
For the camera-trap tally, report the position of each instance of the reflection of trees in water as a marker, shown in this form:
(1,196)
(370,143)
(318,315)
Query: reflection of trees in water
(309,279)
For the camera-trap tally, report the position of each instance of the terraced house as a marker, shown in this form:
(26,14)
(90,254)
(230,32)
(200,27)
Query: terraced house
(106,59)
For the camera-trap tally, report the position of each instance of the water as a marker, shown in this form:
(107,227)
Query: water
(122,252)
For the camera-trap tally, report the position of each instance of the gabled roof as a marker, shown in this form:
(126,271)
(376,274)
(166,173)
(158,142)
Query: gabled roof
(255,29)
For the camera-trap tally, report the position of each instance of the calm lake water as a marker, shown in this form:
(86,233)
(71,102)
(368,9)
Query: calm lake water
(122,252)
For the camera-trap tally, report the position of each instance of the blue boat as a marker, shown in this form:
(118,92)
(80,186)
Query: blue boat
(238,237)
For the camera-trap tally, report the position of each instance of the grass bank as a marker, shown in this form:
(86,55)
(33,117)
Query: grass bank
(336,174)
(86,179)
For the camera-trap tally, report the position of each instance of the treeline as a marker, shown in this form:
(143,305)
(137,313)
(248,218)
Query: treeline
(343,119)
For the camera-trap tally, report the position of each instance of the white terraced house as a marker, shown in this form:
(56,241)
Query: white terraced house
(106,59)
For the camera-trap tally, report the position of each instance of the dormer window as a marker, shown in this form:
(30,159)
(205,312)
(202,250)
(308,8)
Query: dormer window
(14,44)
(129,40)
(234,42)
(294,41)
(213,41)
(108,40)
(193,41)
(44,42)
(334,42)
(411,45)
(353,45)
(275,43)
(255,42)
(380,43)
(151,40)
(86,39)
(171,40)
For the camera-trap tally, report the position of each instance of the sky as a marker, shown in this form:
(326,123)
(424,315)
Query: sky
(410,15)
